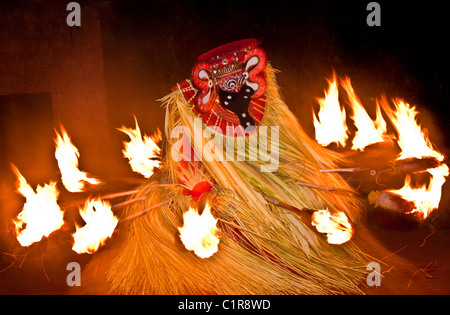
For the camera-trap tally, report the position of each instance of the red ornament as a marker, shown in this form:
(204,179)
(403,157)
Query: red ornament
(236,72)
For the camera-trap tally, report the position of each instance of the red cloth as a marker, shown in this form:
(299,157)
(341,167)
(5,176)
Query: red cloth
(198,190)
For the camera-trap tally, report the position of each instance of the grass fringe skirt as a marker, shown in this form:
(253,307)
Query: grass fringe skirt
(264,248)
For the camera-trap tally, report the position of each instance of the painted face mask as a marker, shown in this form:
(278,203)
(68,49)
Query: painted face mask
(227,86)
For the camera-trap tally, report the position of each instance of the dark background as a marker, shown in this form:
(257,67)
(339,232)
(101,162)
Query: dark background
(328,34)
(146,47)
(151,45)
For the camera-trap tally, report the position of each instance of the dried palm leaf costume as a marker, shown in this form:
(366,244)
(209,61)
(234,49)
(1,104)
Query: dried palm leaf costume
(264,247)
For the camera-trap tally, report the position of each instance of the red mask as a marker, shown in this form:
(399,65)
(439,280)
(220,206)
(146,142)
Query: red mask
(229,85)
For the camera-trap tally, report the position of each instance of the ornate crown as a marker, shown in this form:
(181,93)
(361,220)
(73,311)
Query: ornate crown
(239,63)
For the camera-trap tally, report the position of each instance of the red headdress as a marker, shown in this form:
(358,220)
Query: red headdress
(227,86)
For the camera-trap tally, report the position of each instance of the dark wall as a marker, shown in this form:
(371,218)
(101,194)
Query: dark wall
(40,53)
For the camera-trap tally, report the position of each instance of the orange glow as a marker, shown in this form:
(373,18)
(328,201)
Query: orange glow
(414,143)
(67,155)
(411,139)
(427,197)
(330,125)
(336,225)
(199,232)
(141,150)
(100,224)
(369,131)
(41,214)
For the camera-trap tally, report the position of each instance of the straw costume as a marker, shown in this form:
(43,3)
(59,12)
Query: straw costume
(264,248)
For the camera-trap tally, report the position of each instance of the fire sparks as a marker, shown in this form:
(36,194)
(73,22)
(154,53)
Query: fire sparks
(100,224)
(414,143)
(199,232)
(369,131)
(67,155)
(141,150)
(41,214)
(330,125)
(336,225)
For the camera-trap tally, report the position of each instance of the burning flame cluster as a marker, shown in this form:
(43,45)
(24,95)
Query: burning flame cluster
(413,141)
(334,224)
(141,151)
(199,232)
(100,224)
(67,156)
(41,215)
(331,125)
(331,116)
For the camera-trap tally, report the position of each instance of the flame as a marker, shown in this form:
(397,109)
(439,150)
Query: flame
(330,125)
(67,155)
(141,150)
(100,224)
(427,197)
(411,139)
(41,214)
(415,143)
(369,131)
(199,232)
(336,225)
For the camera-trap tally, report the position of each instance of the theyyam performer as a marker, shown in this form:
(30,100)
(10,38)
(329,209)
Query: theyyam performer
(233,151)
